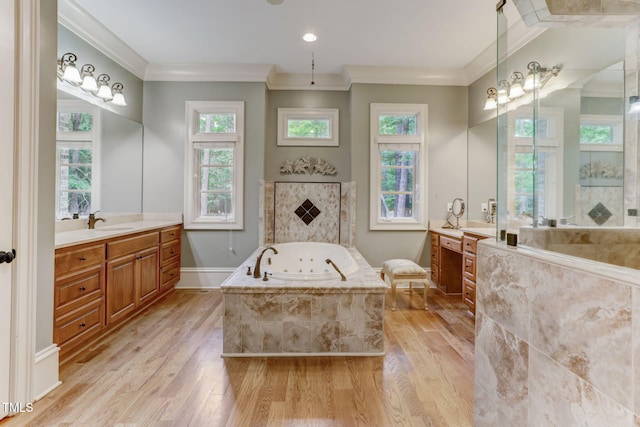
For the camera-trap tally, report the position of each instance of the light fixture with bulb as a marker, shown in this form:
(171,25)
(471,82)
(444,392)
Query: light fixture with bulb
(309,37)
(83,78)
(518,86)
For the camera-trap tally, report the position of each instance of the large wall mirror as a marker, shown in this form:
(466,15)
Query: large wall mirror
(98,160)
(580,141)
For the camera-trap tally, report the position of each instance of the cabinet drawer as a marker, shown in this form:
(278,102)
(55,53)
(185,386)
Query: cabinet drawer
(434,239)
(74,328)
(169,234)
(170,252)
(469,294)
(132,244)
(169,276)
(67,260)
(434,254)
(469,266)
(470,244)
(452,244)
(434,275)
(75,290)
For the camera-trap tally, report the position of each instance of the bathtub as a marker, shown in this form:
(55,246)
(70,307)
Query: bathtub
(304,308)
(308,261)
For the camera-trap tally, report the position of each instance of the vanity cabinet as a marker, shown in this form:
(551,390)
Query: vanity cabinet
(169,258)
(446,259)
(132,274)
(79,290)
(470,246)
(102,284)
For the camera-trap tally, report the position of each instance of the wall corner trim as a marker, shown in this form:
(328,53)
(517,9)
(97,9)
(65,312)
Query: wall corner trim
(45,375)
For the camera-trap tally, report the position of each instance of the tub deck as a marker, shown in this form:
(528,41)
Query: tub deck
(303,318)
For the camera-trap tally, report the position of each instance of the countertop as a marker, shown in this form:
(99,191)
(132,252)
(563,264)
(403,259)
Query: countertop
(488,230)
(71,234)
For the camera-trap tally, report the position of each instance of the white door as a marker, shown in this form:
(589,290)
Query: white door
(7,114)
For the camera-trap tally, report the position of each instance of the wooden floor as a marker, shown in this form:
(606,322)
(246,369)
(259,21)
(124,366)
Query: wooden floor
(164,369)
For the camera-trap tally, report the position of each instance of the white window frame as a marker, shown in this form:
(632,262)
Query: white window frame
(614,121)
(88,139)
(553,143)
(378,221)
(330,114)
(192,218)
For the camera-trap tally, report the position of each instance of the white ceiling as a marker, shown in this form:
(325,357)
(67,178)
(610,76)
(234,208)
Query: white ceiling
(442,35)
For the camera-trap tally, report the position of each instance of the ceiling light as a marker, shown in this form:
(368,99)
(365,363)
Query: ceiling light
(309,37)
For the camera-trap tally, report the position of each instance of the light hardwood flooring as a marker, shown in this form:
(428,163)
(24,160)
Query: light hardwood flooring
(163,368)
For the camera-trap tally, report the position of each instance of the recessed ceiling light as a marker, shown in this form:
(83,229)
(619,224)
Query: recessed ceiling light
(309,37)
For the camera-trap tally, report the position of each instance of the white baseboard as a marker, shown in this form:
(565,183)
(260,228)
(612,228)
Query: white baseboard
(45,374)
(202,278)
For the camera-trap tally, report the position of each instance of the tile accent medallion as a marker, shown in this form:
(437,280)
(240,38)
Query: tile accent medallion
(306,212)
(600,214)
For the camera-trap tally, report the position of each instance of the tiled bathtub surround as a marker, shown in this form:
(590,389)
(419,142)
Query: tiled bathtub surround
(618,246)
(279,222)
(557,340)
(289,318)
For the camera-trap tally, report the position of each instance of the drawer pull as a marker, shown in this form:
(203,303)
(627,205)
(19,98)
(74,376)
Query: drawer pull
(83,288)
(172,274)
(468,293)
(82,258)
(82,325)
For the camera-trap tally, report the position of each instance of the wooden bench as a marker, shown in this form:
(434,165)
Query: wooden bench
(404,271)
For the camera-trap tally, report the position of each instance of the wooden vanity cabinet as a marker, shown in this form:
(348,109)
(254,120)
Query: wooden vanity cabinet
(169,258)
(102,284)
(132,274)
(446,258)
(470,247)
(79,289)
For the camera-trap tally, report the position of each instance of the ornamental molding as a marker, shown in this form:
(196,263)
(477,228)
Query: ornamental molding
(309,165)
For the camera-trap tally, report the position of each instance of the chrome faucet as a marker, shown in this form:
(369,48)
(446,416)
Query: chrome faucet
(256,269)
(92,220)
(333,264)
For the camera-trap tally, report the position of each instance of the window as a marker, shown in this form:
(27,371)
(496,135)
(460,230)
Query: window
(214,165)
(398,199)
(601,133)
(77,159)
(308,126)
(548,163)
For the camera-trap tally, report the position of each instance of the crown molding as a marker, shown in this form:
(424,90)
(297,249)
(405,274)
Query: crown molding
(519,35)
(93,32)
(405,75)
(208,72)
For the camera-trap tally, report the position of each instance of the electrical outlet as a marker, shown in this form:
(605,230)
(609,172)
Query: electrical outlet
(449,207)
(483,207)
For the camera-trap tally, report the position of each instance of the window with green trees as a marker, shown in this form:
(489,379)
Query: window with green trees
(76,159)
(398,166)
(214,165)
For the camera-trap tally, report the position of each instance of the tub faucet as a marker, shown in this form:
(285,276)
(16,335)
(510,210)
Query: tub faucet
(333,264)
(92,220)
(256,269)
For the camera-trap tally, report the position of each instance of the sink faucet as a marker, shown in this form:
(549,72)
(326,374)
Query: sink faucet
(256,269)
(92,220)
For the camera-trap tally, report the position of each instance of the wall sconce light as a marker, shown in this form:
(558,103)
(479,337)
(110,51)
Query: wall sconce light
(68,72)
(492,99)
(519,85)
(634,104)
(67,68)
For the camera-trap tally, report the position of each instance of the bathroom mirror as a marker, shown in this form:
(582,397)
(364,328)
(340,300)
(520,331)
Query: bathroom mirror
(100,169)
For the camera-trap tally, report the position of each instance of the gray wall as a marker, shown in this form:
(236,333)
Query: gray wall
(46,173)
(447,158)
(337,156)
(163,167)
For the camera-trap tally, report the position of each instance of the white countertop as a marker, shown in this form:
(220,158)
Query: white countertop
(75,232)
(482,229)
